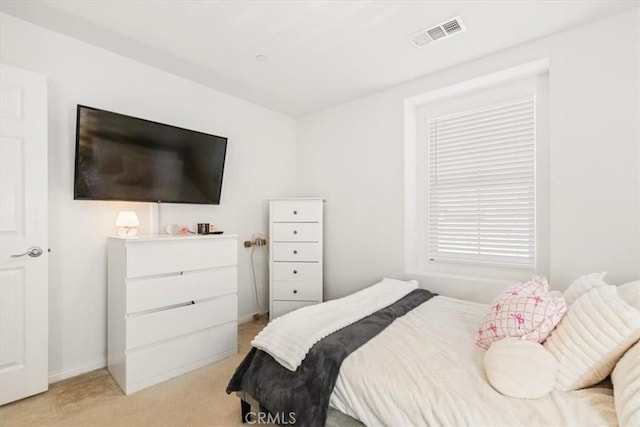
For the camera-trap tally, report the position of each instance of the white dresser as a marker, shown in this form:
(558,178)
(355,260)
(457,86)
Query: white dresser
(295,248)
(172,306)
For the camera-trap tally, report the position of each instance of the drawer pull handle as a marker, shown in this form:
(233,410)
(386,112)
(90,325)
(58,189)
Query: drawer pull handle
(295,291)
(295,212)
(295,252)
(295,231)
(295,271)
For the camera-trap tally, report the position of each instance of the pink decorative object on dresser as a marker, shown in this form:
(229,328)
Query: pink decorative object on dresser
(526,310)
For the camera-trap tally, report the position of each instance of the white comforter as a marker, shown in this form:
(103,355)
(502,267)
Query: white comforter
(424,369)
(289,338)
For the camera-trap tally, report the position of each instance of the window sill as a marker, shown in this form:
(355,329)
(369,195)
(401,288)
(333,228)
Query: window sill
(463,277)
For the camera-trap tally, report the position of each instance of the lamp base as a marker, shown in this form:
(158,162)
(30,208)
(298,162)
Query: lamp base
(128,231)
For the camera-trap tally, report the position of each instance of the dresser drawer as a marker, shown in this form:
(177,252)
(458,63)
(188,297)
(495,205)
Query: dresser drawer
(296,251)
(284,307)
(296,210)
(296,232)
(157,292)
(296,271)
(166,360)
(162,257)
(296,291)
(161,325)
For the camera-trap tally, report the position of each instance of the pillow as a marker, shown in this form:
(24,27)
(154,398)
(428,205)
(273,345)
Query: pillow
(504,363)
(584,284)
(626,387)
(598,328)
(630,292)
(526,310)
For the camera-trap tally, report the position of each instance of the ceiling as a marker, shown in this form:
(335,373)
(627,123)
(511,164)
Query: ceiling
(320,53)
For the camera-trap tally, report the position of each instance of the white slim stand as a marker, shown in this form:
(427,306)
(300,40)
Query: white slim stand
(156,227)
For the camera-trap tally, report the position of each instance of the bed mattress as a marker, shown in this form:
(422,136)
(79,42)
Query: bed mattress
(425,369)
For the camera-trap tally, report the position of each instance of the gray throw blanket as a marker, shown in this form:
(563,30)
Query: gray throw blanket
(306,392)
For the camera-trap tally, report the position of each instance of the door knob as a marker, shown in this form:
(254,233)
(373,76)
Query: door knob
(33,251)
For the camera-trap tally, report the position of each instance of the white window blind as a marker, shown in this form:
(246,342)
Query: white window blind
(481,185)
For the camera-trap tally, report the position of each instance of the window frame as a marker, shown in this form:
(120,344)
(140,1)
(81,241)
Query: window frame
(518,82)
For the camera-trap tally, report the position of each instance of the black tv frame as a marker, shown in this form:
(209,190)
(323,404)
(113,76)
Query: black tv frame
(150,200)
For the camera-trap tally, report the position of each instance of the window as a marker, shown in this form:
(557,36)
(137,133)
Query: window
(477,178)
(481,185)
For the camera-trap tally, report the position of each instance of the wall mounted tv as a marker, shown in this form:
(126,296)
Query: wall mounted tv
(120,157)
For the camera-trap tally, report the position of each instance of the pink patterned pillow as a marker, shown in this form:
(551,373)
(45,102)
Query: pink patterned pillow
(526,310)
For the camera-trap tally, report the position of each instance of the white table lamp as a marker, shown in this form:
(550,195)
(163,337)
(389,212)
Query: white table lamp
(127,224)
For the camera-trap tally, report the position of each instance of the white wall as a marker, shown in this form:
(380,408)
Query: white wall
(79,73)
(352,155)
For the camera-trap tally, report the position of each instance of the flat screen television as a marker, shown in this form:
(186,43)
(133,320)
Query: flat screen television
(120,157)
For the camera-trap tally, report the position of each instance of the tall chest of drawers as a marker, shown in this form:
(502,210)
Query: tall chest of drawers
(295,248)
(172,306)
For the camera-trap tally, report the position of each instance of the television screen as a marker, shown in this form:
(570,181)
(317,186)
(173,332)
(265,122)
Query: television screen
(120,157)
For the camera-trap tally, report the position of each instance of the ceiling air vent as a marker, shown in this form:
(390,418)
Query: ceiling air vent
(441,31)
(436,33)
(451,26)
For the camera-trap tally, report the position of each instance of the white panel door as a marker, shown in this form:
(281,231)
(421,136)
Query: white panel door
(23,230)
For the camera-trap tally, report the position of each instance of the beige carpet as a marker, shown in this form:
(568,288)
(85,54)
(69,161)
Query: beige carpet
(94,399)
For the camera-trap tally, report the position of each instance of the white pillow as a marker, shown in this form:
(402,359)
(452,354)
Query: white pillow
(520,368)
(626,387)
(598,328)
(584,284)
(630,292)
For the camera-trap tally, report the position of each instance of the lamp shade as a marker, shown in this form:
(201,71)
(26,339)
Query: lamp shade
(127,219)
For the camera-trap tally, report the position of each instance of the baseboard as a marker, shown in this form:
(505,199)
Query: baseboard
(54,377)
(248,318)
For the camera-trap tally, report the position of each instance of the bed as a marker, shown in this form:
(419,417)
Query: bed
(421,368)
